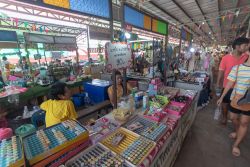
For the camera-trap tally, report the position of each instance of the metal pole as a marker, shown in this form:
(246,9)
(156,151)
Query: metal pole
(77,61)
(114,89)
(153,56)
(180,43)
(111,28)
(248,29)
(88,42)
(124,82)
(165,61)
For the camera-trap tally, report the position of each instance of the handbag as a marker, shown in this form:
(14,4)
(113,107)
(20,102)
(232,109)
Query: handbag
(237,98)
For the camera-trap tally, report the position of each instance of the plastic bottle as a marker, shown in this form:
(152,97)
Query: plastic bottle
(131,103)
(86,99)
(25,112)
(145,102)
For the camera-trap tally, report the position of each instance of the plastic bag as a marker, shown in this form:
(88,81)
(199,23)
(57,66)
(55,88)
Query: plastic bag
(217,113)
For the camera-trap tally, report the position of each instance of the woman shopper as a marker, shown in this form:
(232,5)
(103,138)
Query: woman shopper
(239,79)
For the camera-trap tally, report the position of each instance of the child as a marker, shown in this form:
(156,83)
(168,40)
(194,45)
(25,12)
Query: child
(59,108)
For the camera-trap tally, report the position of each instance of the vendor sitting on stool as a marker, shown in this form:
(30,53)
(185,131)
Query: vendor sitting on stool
(119,88)
(59,108)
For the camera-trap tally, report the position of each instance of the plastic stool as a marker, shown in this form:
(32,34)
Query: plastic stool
(25,130)
(5,133)
(38,118)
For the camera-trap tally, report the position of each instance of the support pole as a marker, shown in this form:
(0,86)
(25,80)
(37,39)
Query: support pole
(165,61)
(77,61)
(248,30)
(111,28)
(88,42)
(114,89)
(124,82)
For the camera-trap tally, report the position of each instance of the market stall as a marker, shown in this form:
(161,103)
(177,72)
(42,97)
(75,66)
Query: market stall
(51,43)
(116,138)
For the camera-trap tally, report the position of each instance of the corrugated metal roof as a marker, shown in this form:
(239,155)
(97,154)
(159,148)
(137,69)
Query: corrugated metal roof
(211,19)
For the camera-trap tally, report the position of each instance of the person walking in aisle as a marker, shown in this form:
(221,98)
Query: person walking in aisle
(239,79)
(240,46)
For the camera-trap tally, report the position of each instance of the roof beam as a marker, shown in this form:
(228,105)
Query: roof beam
(205,17)
(169,14)
(220,20)
(184,11)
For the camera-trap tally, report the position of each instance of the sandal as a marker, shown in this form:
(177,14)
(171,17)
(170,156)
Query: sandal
(236,151)
(233,135)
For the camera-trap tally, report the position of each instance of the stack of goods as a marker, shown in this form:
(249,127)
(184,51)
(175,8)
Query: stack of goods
(196,77)
(189,79)
(100,128)
(169,91)
(181,99)
(175,108)
(97,156)
(155,86)
(172,121)
(11,153)
(146,128)
(129,145)
(157,104)
(121,114)
(45,146)
(59,72)
(138,97)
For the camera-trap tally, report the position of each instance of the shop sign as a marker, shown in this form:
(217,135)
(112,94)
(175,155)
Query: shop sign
(118,55)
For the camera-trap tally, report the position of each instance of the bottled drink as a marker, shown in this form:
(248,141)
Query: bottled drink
(87,99)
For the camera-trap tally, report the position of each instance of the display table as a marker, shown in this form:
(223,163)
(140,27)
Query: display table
(38,91)
(168,146)
(203,89)
(188,86)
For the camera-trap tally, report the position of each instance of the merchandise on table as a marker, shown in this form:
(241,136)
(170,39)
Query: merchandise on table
(97,156)
(181,99)
(170,91)
(146,128)
(157,104)
(11,152)
(101,128)
(42,144)
(175,108)
(131,146)
(121,114)
(158,101)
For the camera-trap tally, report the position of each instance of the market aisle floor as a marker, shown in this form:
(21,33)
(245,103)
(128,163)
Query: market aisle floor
(207,144)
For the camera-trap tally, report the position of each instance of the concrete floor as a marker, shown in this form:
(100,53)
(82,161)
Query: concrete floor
(208,145)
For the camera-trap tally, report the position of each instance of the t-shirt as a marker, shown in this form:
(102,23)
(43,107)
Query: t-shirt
(227,63)
(243,79)
(58,111)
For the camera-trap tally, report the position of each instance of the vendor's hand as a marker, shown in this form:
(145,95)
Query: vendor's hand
(219,101)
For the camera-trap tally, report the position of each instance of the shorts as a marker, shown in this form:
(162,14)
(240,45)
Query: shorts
(227,96)
(237,111)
